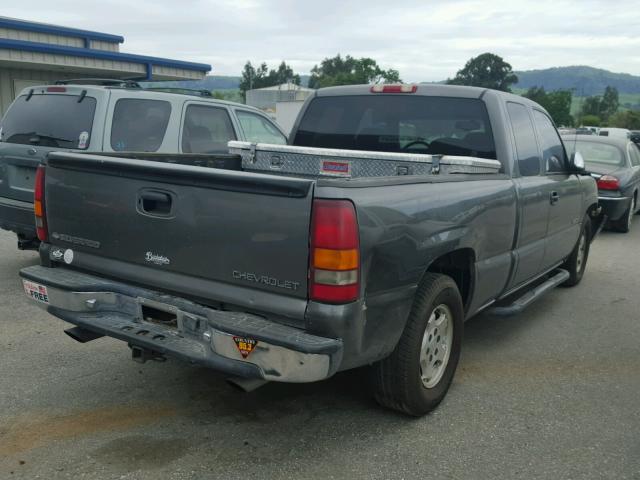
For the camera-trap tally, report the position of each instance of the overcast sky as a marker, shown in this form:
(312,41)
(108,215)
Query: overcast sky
(425,40)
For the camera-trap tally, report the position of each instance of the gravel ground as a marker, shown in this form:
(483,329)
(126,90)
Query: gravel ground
(552,393)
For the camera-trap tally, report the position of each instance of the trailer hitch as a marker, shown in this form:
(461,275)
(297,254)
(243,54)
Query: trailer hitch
(142,355)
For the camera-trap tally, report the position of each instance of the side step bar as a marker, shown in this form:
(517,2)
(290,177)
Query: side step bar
(530,296)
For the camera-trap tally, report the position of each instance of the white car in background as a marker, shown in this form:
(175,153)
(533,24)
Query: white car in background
(615,132)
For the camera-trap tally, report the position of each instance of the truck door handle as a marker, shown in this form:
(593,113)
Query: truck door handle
(155,203)
(554,198)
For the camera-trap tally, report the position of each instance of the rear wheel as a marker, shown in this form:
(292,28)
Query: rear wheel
(577,261)
(416,376)
(624,224)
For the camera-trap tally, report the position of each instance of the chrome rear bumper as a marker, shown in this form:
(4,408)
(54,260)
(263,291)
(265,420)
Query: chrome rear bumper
(237,343)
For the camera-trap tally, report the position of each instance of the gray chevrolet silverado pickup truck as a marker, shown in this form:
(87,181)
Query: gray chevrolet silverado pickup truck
(285,277)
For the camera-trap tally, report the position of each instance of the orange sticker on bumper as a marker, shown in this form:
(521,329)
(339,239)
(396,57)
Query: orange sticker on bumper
(245,345)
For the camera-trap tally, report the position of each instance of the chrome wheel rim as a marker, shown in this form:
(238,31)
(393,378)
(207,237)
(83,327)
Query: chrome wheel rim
(632,207)
(436,346)
(582,248)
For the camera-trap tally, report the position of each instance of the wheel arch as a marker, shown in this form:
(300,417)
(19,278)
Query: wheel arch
(458,264)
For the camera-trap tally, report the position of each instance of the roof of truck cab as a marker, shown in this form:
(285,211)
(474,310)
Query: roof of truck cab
(423,89)
(428,89)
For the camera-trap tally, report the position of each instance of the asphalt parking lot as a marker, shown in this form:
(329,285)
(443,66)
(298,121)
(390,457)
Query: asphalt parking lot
(553,393)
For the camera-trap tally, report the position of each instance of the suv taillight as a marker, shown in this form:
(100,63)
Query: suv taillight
(335,252)
(38,205)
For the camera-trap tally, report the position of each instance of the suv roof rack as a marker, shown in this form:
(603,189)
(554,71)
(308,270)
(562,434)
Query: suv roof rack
(105,82)
(183,91)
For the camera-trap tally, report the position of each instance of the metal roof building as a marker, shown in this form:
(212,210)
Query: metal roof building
(36,53)
(281,102)
(266,98)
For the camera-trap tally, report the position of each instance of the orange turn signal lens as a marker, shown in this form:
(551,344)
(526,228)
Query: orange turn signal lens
(37,208)
(329,259)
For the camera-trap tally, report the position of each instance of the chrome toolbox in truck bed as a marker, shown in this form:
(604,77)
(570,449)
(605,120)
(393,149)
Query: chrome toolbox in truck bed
(313,162)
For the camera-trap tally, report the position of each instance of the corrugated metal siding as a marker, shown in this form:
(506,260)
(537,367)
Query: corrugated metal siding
(48,59)
(41,38)
(267,99)
(51,39)
(107,46)
(161,73)
(43,60)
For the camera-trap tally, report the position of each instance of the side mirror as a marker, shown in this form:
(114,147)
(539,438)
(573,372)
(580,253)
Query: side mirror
(577,162)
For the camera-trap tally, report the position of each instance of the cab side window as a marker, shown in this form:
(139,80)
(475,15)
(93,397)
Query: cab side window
(206,130)
(526,146)
(258,129)
(553,155)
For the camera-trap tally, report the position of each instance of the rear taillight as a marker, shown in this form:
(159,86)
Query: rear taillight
(381,88)
(608,182)
(38,205)
(335,252)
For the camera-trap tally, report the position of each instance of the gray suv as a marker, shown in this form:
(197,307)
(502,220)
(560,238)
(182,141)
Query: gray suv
(96,118)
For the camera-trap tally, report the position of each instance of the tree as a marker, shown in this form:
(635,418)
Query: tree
(284,74)
(610,102)
(557,103)
(252,77)
(592,106)
(350,71)
(591,120)
(627,119)
(487,70)
(602,106)
(262,77)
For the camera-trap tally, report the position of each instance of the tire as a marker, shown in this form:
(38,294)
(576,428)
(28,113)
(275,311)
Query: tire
(623,225)
(577,261)
(401,382)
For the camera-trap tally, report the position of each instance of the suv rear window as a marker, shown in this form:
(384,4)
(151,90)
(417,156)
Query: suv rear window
(49,120)
(394,123)
(139,125)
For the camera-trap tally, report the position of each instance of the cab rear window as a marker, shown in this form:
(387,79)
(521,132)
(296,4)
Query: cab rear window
(393,123)
(63,121)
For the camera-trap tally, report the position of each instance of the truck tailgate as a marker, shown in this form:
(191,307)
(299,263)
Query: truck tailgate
(165,221)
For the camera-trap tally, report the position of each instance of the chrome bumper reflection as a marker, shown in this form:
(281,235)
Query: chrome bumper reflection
(275,362)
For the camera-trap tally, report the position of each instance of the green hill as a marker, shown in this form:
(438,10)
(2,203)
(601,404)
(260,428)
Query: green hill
(583,80)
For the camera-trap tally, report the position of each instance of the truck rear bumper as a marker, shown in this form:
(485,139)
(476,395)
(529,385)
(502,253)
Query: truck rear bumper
(236,343)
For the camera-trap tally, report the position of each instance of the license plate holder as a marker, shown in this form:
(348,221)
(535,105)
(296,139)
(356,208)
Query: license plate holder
(36,291)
